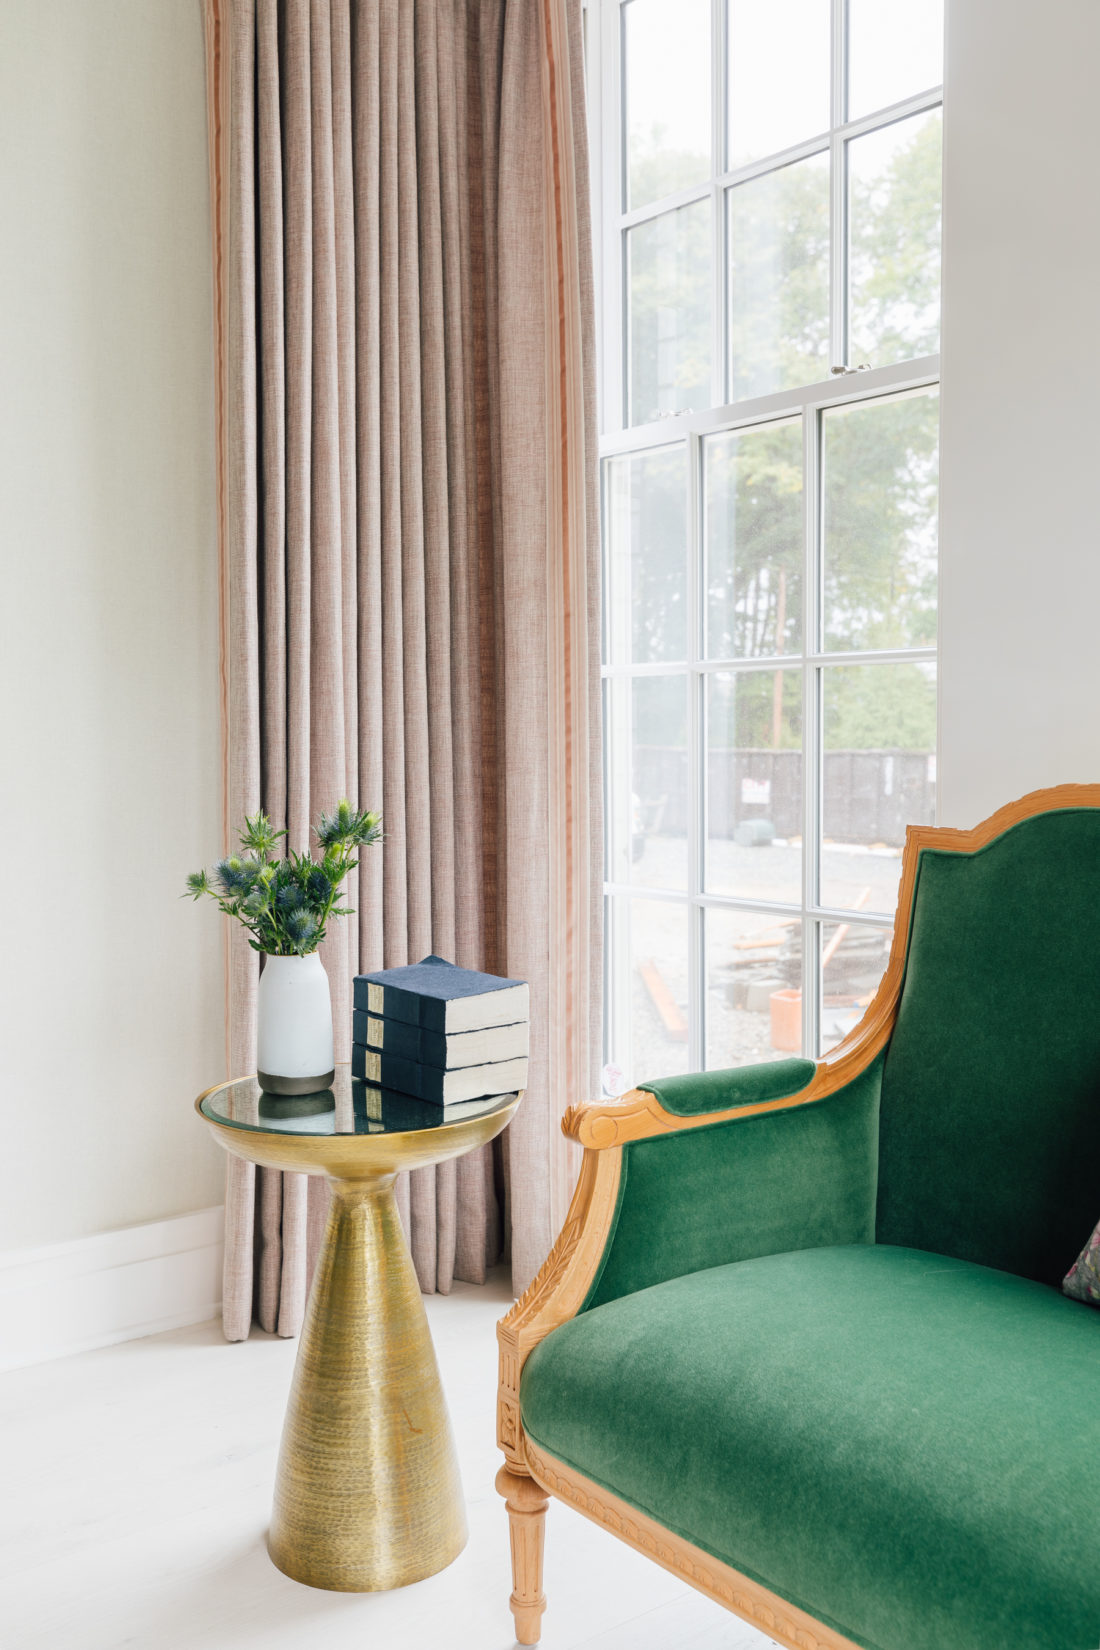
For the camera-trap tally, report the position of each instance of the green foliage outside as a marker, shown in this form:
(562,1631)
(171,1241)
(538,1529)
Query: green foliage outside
(668,262)
(880,707)
(879,490)
(755,710)
(895,245)
(779,279)
(754,532)
(285,903)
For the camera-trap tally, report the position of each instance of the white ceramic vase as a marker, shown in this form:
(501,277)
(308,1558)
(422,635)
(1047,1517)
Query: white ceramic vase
(294,1026)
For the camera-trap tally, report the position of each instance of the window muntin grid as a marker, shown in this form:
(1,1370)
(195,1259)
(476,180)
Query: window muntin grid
(667,766)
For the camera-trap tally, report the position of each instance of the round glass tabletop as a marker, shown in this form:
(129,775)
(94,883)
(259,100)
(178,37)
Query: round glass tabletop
(349,1107)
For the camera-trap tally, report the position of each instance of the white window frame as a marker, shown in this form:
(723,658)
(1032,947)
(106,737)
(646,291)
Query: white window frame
(846,385)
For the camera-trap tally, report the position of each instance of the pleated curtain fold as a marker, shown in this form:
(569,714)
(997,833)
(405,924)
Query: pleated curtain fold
(409,565)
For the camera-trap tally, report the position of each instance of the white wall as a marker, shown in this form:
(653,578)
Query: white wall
(110,985)
(1020,594)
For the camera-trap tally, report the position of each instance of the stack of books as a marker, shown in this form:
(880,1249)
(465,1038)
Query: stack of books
(446,1036)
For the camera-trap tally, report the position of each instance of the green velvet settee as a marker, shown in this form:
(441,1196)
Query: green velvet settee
(801,1339)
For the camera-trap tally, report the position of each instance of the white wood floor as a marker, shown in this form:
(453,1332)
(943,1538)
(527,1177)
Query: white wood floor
(134,1492)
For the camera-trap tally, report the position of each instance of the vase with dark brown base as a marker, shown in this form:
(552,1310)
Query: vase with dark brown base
(294,1048)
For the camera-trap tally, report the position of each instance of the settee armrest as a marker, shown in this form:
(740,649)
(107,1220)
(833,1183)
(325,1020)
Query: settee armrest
(673,1103)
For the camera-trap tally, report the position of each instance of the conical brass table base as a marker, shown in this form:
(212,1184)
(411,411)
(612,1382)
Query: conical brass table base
(367,1494)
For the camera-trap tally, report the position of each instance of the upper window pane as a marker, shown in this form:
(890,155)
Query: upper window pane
(668,260)
(880,518)
(779,279)
(666,96)
(778,75)
(647,557)
(895,49)
(754,542)
(895,183)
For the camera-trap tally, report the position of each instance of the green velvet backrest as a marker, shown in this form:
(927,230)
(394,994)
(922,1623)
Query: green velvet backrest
(989,1127)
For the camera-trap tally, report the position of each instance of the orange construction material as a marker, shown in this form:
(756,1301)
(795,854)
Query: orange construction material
(672,1017)
(786,1017)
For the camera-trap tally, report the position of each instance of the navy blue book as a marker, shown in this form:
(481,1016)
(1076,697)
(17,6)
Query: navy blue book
(449,1050)
(438,996)
(432,1083)
(388,1109)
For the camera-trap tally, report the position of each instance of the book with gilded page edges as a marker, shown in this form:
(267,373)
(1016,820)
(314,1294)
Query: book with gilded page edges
(437,996)
(449,1050)
(442,1088)
(386,1108)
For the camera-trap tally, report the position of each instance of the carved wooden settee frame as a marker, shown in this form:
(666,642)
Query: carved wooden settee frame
(557,1294)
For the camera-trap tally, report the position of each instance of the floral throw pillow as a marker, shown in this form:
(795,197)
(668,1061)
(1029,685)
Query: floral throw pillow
(1082,1281)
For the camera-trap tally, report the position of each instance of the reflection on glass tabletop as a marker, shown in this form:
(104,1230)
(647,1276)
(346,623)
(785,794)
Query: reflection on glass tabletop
(350,1106)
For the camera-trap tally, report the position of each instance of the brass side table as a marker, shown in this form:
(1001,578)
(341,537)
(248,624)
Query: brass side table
(367,1493)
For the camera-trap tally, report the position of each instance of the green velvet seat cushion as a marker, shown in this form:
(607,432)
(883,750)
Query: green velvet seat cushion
(905,1445)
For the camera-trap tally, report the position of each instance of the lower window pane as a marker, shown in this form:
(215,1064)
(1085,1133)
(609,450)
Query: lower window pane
(754,784)
(853,961)
(880,508)
(646,533)
(650,976)
(646,767)
(655,849)
(879,776)
(754,528)
(754,987)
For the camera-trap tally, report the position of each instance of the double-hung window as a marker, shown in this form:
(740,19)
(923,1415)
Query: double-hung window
(767,199)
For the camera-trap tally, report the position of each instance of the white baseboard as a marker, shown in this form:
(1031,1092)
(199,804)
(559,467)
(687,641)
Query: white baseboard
(116,1286)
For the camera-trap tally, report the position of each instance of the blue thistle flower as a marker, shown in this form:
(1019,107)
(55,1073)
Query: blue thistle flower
(232,875)
(318,885)
(353,827)
(300,927)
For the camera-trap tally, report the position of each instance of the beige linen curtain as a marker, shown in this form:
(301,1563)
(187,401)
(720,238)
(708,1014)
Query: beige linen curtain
(408,547)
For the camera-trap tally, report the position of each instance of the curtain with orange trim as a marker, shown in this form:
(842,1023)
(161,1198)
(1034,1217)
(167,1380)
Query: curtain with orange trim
(408,542)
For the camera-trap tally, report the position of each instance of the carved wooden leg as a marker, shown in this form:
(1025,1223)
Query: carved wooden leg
(526,1502)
